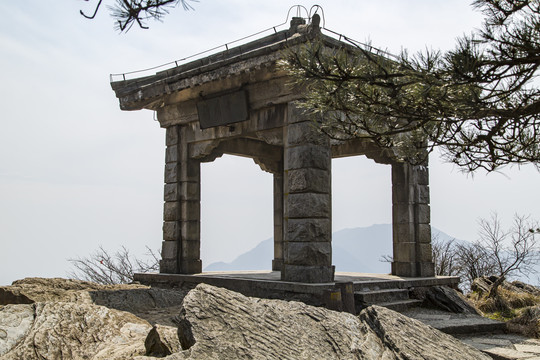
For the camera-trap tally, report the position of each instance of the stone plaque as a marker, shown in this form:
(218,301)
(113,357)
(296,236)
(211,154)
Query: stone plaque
(223,110)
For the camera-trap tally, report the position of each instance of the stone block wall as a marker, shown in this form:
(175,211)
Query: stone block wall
(411,221)
(181,210)
(307,229)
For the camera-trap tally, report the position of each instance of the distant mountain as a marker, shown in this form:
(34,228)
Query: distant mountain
(258,258)
(354,250)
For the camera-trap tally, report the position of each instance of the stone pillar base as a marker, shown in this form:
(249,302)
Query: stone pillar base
(412,269)
(191,266)
(308,274)
(167,266)
(277,264)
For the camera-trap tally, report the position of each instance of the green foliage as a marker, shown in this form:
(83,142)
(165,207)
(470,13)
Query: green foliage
(478,102)
(130,12)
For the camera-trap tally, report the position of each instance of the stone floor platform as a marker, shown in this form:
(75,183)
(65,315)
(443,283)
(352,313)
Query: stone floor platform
(268,284)
(489,336)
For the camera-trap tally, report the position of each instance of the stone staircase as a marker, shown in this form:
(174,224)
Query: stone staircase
(389,294)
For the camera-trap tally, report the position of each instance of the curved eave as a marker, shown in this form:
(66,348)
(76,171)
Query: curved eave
(147,92)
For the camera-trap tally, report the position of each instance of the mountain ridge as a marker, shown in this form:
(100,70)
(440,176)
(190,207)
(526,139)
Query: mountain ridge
(348,251)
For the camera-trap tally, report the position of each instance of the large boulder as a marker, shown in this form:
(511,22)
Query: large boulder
(220,324)
(448,299)
(67,330)
(152,304)
(213,323)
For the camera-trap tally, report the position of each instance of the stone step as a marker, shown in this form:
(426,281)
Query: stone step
(377,285)
(504,346)
(380,296)
(402,305)
(457,324)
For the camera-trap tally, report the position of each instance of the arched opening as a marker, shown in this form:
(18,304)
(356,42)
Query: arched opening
(361,215)
(236,215)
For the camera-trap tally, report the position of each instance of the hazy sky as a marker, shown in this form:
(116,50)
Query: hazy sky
(76,172)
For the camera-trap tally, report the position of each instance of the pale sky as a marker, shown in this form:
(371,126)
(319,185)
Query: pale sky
(76,172)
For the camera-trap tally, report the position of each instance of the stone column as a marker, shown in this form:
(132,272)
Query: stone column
(411,221)
(181,216)
(307,228)
(277,262)
(171,208)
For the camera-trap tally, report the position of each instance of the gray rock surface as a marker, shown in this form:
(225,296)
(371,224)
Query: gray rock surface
(483,285)
(64,330)
(152,304)
(449,299)
(162,341)
(213,323)
(15,323)
(220,324)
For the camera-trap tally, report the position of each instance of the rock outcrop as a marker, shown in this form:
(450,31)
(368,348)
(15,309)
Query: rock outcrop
(448,299)
(67,330)
(482,285)
(152,304)
(213,323)
(221,324)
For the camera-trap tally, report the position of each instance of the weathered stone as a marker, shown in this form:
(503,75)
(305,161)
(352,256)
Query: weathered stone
(405,251)
(133,297)
(170,192)
(171,154)
(171,136)
(421,194)
(426,268)
(171,230)
(402,213)
(309,253)
(307,273)
(190,191)
(308,180)
(171,173)
(404,268)
(303,133)
(62,330)
(308,205)
(162,341)
(448,299)
(9,295)
(309,229)
(168,266)
(526,288)
(403,232)
(190,230)
(171,211)
(402,193)
(406,338)
(191,210)
(190,171)
(424,233)
(221,324)
(400,174)
(15,324)
(30,290)
(191,266)
(308,156)
(169,249)
(296,114)
(421,175)
(423,252)
(191,249)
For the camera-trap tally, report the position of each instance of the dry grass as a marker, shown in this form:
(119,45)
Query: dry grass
(520,310)
(527,322)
